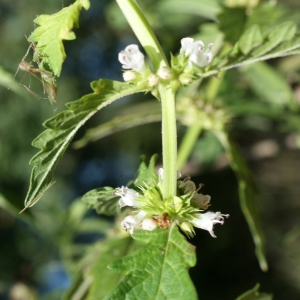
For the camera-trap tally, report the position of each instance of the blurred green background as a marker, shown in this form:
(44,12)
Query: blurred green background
(40,249)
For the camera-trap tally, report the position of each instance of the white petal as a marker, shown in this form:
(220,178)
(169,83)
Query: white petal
(129,197)
(207,220)
(148,224)
(197,54)
(187,45)
(130,223)
(132,58)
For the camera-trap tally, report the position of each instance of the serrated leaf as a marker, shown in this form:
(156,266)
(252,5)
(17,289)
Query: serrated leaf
(275,36)
(144,173)
(103,201)
(61,129)
(93,279)
(254,294)
(50,33)
(148,113)
(278,42)
(157,271)
(104,279)
(248,195)
(250,39)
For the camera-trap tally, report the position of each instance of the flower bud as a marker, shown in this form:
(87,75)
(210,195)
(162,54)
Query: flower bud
(185,79)
(153,80)
(129,76)
(164,73)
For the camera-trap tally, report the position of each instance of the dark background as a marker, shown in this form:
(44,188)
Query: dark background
(33,247)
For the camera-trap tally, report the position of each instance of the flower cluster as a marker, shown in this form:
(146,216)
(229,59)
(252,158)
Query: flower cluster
(192,54)
(130,197)
(152,211)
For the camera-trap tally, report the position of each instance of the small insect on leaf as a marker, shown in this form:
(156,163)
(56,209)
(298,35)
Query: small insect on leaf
(46,78)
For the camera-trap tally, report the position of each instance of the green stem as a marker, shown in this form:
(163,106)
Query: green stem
(148,40)
(143,32)
(169,141)
(188,143)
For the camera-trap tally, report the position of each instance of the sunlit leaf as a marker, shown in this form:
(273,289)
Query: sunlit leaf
(159,270)
(250,39)
(280,41)
(61,129)
(146,173)
(50,33)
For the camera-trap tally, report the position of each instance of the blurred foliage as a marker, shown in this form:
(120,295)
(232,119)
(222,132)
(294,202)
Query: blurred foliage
(260,101)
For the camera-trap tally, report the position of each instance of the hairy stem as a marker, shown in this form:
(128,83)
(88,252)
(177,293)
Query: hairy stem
(148,40)
(169,140)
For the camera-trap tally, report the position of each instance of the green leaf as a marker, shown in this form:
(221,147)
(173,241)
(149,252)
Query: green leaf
(228,20)
(144,173)
(61,129)
(250,39)
(205,8)
(7,80)
(157,271)
(207,149)
(280,41)
(52,31)
(281,33)
(93,280)
(104,279)
(103,201)
(148,112)
(254,294)
(248,197)
(268,14)
(269,84)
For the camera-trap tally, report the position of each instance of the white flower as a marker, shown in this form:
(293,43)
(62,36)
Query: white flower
(187,45)
(129,197)
(196,53)
(132,58)
(207,221)
(149,224)
(130,223)
(161,174)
